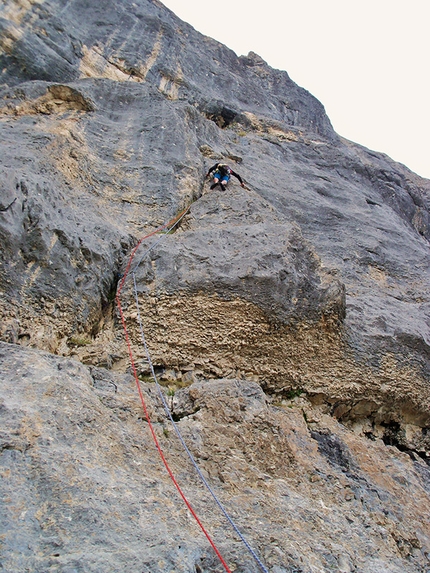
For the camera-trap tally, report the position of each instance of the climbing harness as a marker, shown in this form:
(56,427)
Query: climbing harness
(170,226)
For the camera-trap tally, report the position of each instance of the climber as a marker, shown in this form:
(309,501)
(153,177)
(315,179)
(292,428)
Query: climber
(222,175)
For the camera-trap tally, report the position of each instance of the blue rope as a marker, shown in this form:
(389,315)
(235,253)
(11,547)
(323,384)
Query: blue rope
(169,414)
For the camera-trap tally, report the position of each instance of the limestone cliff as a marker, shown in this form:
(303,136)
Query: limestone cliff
(289,322)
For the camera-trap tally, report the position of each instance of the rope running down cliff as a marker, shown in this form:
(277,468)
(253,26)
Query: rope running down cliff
(170,226)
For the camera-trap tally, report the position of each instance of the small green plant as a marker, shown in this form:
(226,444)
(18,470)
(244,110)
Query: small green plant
(172,386)
(183,383)
(166,432)
(147,378)
(294,393)
(79,340)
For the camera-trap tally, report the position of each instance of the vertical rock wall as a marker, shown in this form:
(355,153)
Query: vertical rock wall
(288,322)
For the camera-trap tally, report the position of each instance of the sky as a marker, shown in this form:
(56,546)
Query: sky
(367,61)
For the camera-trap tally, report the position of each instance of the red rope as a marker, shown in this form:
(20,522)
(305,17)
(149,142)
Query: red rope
(168,224)
(142,400)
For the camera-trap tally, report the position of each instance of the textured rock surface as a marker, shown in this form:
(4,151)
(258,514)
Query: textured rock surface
(313,284)
(83,490)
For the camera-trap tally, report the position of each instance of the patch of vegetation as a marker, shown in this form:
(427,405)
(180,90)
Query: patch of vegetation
(147,378)
(294,393)
(174,385)
(79,340)
(169,231)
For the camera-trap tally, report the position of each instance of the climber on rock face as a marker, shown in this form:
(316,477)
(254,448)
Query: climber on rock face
(222,173)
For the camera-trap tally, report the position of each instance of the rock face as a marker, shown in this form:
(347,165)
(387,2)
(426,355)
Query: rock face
(290,322)
(85,492)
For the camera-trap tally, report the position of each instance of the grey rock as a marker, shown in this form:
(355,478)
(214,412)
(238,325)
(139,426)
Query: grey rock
(164,51)
(84,489)
(242,249)
(296,313)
